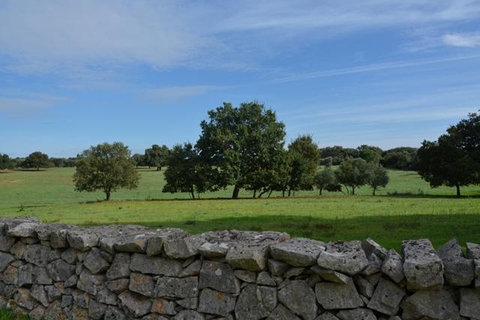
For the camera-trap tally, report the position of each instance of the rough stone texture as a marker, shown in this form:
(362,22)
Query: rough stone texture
(422,266)
(345,257)
(459,271)
(430,304)
(298,252)
(299,298)
(393,266)
(128,272)
(387,298)
(332,295)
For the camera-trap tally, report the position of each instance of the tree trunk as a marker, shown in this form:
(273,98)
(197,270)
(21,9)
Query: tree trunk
(108,193)
(374,189)
(353,191)
(458,190)
(236,191)
(254,194)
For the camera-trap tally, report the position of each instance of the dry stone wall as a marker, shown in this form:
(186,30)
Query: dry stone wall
(53,271)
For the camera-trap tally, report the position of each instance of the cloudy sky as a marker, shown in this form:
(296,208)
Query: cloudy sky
(386,73)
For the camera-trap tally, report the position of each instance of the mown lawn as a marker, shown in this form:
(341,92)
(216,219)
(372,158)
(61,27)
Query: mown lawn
(407,209)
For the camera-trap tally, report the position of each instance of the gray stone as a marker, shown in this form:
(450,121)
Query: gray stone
(91,283)
(79,313)
(25,275)
(473,252)
(38,293)
(470,303)
(169,287)
(193,269)
(422,266)
(18,249)
(118,285)
(82,239)
(132,243)
(277,268)
(371,247)
(120,267)
(246,276)
(459,271)
(58,238)
(113,313)
(298,252)
(142,284)
(71,282)
(5,260)
(345,257)
(365,288)
(299,298)
(95,262)
(54,292)
(249,304)
(24,299)
(10,275)
(70,256)
(387,298)
(155,242)
(155,265)
(215,302)
(54,312)
(393,266)
(163,306)
(24,230)
(356,314)
(268,296)
(430,304)
(37,254)
(106,296)
(188,315)
(218,276)
(188,303)
(214,250)
(37,313)
(6,243)
(183,248)
(332,295)
(80,298)
(326,316)
(41,276)
(330,275)
(282,313)
(374,265)
(265,279)
(134,304)
(59,270)
(96,310)
(293,272)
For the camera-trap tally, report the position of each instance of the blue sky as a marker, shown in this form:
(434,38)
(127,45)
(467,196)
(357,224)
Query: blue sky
(385,73)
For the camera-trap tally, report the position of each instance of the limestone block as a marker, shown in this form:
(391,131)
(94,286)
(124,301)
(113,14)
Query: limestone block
(356,314)
(10,275)
(95,261)
(134,305)
(365,288)
(162,306)
(118,285)
(330,275)
(54,311)
(326,316)
(268,296)
(58,238)
(282,313)
(24,299)
(155,265)
(183,248)
(214,250)
(59,270)
(25,275)
(371,247)
(249,305)
(387,297)
(430,304)
(277,268)
(422,266)
(143,284)
(38,293)
(374,265)
(332,295)
(169,287)
(215,302)
(218,276)
(188,315)
(105,296)
(120,267)
(132,242)
(345,257)
(298,252)
(459,271)
(156,240)
(473,252)
(90,283)
(114,313)
(299,298)
(96,310)
(393,266)
(18,249)
(82,239)
(188,303)
(37,313)
(265,279)
(246,276)
(470,303)
(37,254)
(5,260)
(24,230)
(248,257)
(191,270)
(6,243)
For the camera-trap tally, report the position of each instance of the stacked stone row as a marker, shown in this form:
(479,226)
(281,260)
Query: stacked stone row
(53,271)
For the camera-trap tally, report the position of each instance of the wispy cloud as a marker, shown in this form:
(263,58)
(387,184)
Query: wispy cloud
(470,40)
(178,94)
(27,106)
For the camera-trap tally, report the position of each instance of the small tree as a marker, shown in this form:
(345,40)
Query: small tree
(378,177)
(353,173)
(5,162)
(326,180)
(106,167)
(156,156)
(36,160)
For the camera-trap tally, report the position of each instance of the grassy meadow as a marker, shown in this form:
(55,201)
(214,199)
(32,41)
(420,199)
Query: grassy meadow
(407,209)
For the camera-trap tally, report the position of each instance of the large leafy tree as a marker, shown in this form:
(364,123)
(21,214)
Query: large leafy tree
(326,180)
(353,173)
(241,146)
(156,156)
(378,177)
(5,162)
(106,167)
(303,161)
(454,159)
(36,160)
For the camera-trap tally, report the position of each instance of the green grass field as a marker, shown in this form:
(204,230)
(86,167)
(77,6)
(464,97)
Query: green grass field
(407,209)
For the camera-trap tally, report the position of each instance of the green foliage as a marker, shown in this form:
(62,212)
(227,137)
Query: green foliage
(353,173)
(156,156)
(453,160)
(303,160)
(6,314)
(36,160)
(378,177)
(106,167)
(370,154)
(5,162)
(326,180)
(336,155)
(241,146)
(402,158)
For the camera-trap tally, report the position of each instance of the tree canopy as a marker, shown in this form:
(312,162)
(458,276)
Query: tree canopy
(5,162)
(36,160)
(454,159)
(240,146)
(156,156)
(106,167)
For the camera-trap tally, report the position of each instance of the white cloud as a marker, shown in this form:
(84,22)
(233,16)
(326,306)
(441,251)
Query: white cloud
(469,40)
(27,106)
(179,93)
